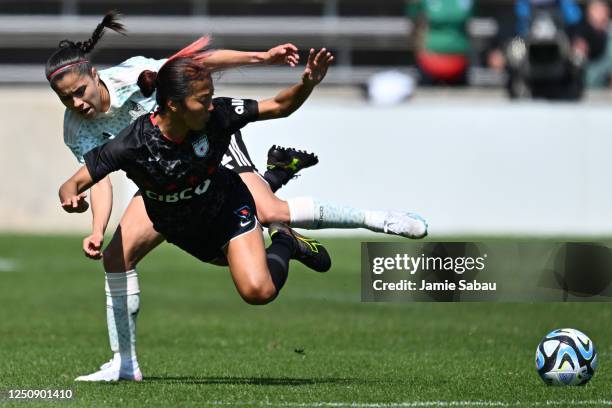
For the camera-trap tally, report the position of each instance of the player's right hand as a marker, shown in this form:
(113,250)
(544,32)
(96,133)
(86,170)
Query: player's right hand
(92,245)
(283,54)
(76,204)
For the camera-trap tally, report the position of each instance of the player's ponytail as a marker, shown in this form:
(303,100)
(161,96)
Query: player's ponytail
(197,50)
(173,80)
(111,21)
(71,56)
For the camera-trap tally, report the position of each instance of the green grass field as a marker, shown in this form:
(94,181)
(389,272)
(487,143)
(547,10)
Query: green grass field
(316,345)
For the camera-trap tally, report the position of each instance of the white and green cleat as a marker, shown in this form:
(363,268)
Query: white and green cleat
(409,225)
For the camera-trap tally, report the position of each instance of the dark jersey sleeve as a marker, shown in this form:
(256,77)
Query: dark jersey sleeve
(234,114)
(106,158)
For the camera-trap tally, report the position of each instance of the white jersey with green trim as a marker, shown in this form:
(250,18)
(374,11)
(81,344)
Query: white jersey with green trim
(127,103)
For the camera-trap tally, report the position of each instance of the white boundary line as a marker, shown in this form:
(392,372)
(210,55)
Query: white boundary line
(416,404)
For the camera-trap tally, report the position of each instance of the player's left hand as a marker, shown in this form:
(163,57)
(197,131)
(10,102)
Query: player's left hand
(76,204)
(283,54)
(316,66)
(92,245)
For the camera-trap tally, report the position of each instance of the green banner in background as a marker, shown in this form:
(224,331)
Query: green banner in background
(536,271)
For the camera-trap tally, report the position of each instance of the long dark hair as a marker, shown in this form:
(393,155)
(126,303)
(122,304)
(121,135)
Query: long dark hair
(173,81)
(71,56)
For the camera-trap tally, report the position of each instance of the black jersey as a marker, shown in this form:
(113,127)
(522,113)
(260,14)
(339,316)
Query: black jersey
(182,184)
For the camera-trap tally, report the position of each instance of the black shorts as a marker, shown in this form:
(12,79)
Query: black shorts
(237,216)
(237,157)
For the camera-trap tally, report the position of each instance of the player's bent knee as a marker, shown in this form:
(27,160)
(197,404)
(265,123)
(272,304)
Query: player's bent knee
(258,294)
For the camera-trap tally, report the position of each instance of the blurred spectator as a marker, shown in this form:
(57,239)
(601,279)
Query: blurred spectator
(595,44)
(566,13)
(544,55)
(443,43)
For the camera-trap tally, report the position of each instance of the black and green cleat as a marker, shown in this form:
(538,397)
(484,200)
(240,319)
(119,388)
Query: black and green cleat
(290,160)
(308,251)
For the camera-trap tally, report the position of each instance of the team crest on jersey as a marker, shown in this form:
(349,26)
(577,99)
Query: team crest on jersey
(200,146)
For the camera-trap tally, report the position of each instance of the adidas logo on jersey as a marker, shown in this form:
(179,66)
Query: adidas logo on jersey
(238,105)
(226,160)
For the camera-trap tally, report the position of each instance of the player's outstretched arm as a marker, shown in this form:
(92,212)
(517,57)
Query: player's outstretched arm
(101,208)
(71,193)
(289,100)
(284,54)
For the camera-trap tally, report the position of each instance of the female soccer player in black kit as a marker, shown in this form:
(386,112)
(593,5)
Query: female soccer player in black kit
(174,156)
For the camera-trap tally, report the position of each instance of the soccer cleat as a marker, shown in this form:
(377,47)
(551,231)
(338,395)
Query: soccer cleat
(290,160)
(407,225)
(114,370)
(308,251)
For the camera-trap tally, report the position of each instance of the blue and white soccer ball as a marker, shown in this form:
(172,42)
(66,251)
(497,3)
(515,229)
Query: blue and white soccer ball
(566,357)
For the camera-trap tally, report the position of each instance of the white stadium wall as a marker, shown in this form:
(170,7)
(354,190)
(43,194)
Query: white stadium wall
(469,165)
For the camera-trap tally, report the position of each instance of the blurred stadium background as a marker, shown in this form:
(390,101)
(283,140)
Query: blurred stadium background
(468,159)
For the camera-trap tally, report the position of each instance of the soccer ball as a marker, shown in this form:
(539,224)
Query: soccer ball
(566,357)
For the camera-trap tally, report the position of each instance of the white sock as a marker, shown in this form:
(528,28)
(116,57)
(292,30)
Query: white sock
(305,212)
(122,306)
(301,212)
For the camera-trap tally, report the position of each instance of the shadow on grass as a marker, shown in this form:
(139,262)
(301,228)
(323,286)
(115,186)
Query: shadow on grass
(251,380)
